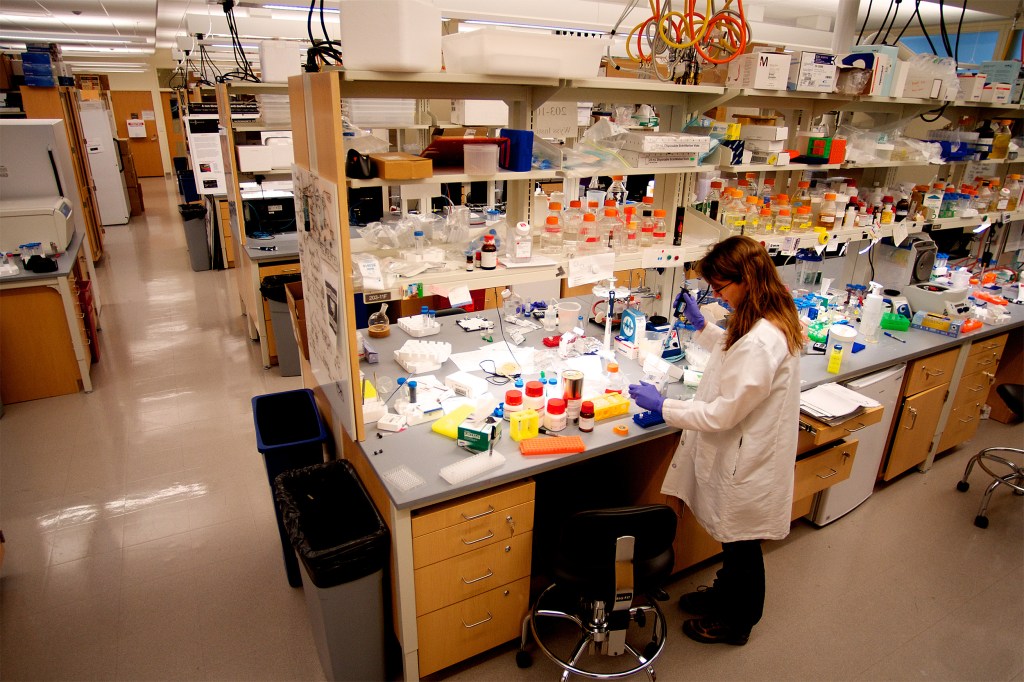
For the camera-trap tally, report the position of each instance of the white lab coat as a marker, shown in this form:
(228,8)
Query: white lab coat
(734,466)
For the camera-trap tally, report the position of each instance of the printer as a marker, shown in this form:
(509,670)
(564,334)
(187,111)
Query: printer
(44,220)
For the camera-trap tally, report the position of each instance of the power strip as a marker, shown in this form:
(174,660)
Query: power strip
(663,257)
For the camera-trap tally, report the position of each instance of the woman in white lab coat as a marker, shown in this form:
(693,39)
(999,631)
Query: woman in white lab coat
(734,466)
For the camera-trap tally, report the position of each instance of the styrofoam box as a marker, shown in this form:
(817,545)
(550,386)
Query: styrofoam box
(280,59)
(391,35)
(480,112)
(282,155)
(254,157)
(756,132)
(497,52)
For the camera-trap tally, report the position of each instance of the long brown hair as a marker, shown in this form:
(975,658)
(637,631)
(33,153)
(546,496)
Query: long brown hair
(741,259)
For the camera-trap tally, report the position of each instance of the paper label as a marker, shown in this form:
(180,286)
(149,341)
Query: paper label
(586,269)
(899,232)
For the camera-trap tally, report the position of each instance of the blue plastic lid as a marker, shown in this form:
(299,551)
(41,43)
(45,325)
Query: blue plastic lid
(519,383)
(552,382)
(812,313)
(401,381)
(417,233)
(412,384)
(424,310)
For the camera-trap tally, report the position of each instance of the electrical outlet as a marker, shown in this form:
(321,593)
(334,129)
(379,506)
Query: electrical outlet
(663,257)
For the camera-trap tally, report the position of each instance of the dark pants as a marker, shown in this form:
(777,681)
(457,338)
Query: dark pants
(739,584)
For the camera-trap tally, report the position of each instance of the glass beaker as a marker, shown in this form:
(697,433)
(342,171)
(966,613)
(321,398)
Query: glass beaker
(378,325)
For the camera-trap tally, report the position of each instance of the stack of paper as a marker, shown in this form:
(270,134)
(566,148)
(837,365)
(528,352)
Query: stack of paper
(830,402)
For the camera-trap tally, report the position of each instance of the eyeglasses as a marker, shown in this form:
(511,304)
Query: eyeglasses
(718,292)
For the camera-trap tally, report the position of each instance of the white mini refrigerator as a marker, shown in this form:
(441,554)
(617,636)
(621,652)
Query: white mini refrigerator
(105,163)
(883,386)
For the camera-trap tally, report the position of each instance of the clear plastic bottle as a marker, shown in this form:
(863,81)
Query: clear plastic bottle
(1002,200)
(612,230)
(520,246)
(572,217)
(734,215)
(1015,187)
(616,384)
(753,215)
(419,244)
(617,190)
(1001,141)
(714,199)
(647,228)
(589,238)
(752,186)
(780,202)
(829,210)
(767,193)
(765,225)
(551,238)
(660,234)
(783,221)
(803,197)
(984,198)
(632,244)
(802,221)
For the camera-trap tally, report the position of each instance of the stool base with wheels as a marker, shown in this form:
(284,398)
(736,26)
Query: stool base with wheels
(609,569)
(1014,478)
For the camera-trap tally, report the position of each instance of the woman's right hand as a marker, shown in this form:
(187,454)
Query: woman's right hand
(692,312)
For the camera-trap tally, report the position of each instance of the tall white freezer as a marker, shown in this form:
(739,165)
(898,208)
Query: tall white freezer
(107,169)
(883,386)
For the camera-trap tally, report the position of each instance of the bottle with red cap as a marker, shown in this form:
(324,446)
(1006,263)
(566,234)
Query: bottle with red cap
(534,399)
(554,417)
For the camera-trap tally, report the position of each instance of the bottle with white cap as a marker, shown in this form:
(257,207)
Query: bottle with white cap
(871,314)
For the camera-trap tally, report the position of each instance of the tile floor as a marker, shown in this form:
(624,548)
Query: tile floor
(141,541)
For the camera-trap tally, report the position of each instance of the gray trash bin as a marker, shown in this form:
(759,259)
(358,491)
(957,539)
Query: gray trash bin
(194,218)
(342,543)
(272,289)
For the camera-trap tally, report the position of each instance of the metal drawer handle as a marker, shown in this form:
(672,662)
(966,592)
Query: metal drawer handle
(966,421)
(834,472)
(490,510)
(913,413)
(862,426)
(490,534)
(488,618)
(476,580)
(929,373)
(986,363)
(976,389)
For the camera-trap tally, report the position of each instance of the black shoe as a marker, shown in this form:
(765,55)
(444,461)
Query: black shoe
(703,602)
(712,631)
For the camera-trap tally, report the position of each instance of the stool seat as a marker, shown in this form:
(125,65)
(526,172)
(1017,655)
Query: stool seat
(987,460)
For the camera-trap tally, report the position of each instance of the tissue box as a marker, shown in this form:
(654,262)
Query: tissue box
(760,70)
(886,68)
(971,86)
(813,72)
(878,64)
(666,143)
(938,324)
(477,434)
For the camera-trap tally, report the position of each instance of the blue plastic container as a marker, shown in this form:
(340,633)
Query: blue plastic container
(520,157)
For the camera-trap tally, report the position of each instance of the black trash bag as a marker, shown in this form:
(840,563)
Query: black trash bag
(334,526)
(272,287)
(192,211)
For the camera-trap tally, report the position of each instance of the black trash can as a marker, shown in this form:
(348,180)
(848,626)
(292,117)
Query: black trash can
(272,289)
(343,545)
(194,218)
(289,435)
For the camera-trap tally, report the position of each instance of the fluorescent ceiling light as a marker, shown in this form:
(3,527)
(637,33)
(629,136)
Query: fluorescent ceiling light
(69,20)
(481,22)
(128,65)
(294,8)
(231,47)
(109,50)
(49,38)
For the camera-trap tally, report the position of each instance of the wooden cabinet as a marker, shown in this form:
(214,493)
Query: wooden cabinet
(914,432)
(934,370)
(814,473)
(471,559)
(972,391)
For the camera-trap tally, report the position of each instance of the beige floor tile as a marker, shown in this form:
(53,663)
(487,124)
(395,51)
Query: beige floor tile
(155,522)
(158,558)
(88,539)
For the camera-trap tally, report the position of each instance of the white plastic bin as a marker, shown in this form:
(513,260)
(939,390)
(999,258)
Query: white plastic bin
(497,52)
(480,159)
(391,35)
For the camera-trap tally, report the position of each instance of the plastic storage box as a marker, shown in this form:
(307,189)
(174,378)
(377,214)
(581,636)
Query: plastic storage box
(391,35)
(496,52)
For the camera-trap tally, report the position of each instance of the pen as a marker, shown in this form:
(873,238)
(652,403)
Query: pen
(891,336)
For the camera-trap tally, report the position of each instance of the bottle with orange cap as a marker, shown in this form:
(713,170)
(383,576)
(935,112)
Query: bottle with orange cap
(551,238)
(1015,187)
(659,232)
(589,238)
(611,229)
(829,210)
(617,191)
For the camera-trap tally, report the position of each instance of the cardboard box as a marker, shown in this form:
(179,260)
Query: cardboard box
(1006,71)
(480,112)
(297,308)
(971,86)
(666,143)
(760,70)
(997,93)
(813,72)
(401,166)
(886,68)
(877,63)
(771,133)
(135,201)
(645,160)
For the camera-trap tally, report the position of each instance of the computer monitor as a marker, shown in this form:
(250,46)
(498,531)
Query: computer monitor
(269,215)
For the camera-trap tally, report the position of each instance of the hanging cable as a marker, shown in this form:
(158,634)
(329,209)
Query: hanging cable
(860,36)
(924,30)
(885,19)
(959,28)
(917,9)
(942,29)
(892,23)
(939,112)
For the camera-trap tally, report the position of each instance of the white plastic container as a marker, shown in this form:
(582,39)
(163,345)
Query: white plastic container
(498,52)
(391,35)
(480,159)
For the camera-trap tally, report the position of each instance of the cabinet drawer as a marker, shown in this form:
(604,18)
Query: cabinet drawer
(984,361)
(455,633)
(929,372)
(972,388)
(499,527)
(961,425)
(279,269)
(814,433)
(470,507)
(450,581)
(994,344)
(824,469)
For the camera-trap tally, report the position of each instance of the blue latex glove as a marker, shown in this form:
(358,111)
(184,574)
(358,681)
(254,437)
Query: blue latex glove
(646,396)
(692,312)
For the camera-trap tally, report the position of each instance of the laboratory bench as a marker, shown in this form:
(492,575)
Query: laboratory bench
(48,329)
(462,554)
